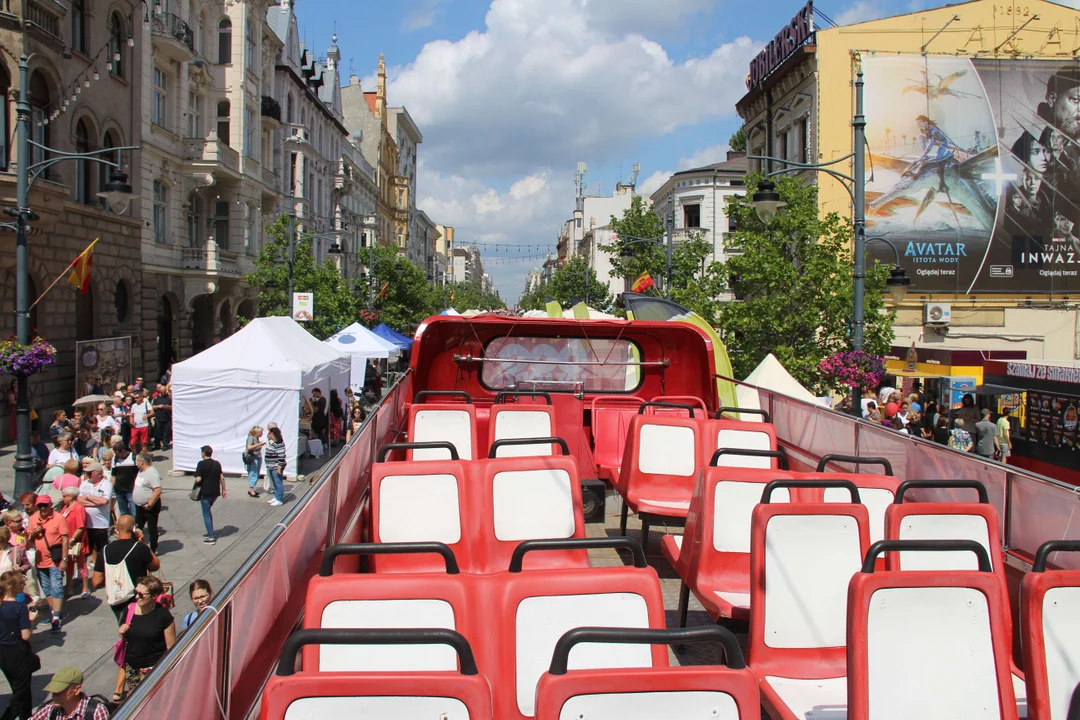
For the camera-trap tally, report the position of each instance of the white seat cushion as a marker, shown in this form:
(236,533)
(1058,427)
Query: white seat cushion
(379,707)
(812,699)
(1020,690)
(737,599)
(667,450)
(387,614)
(743,440)
(673,504)
(671,705)
(1061,638)
(419,508)
(514,424)
(454,426)
(678,541)
(945,527)
(733,506)
(876,501)
(533,504)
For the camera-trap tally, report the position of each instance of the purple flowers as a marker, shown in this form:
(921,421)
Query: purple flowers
(845,369)
(16,359)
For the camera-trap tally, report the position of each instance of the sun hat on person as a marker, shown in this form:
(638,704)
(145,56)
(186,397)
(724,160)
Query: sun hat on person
(94,467)
(43,500)
(64,678)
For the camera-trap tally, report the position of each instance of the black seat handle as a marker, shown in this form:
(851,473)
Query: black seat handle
(855,460)
(882,546)
(429,445)
(419,397)
(624,543)
(522,393)
(492,453)
(975,485)
(749,452)
(362,636)
(746,411)
(796,484)
(326,568)
(646,636)
(1052,546)
(677,406)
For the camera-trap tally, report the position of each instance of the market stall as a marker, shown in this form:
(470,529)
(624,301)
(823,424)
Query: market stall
(361,345)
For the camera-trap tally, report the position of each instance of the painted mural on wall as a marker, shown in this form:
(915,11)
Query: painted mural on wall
(976,172)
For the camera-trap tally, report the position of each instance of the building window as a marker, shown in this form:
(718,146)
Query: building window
(249,229)
(224,41)
(223,129)
(691,216)
(804,139)
(78,26)
(82,167)
(250,146)
(120,302)
(249,36)
(161,213)
(221,224)
(289,109)
(783,139)
(160,108)
(292,174)
(194,128)
(116,44)
(194,222)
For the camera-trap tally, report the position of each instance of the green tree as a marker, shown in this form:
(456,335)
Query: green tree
(568,286)
(639,221)
(737,141)
(403,296)
(464,296)
(793,285)
(335,302)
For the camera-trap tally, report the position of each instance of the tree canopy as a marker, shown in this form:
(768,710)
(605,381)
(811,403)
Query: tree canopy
(569,285)
(737,141)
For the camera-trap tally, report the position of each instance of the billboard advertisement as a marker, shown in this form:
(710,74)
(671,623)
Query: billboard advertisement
(974,172)
(102,363)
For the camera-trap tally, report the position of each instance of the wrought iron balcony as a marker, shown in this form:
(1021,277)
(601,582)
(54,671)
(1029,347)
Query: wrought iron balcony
(171,27)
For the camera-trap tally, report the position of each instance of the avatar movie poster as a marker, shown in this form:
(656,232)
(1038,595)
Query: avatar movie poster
(973,172)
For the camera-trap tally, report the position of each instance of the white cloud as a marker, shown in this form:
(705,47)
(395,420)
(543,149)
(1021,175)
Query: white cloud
(705,156)
(860,11)
(643,16)
(422,15)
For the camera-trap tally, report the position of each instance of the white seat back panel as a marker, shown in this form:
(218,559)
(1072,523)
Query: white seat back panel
(1061,637)
(686,705)
(944,527)
(733,506)
(453,426)
(667,450)
(387,614)
(876,501)
(542,620)
(809,561)
(533,504)
(930,655)
(744,440)
(510,424)
(419,508)
(377,707)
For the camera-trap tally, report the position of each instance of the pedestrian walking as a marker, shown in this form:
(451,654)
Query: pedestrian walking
(986,434)
(49,532)
(162,418)
(149,631)
(142,411)
(69,702)
(211,485)
(122,561)
(253,458)
(147,498)
(200,593)
(74,515)
(95,494)
(275,465)
(959,438)
(319,422)
(17,661)
(1004,435)
(124,472)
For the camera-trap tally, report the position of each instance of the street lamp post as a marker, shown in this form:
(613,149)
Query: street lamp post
(668,240)
(767,204)
(117,191)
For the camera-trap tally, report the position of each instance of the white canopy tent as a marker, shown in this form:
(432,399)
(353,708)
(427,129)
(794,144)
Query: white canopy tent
(771,375)
(253,377)
(361,345)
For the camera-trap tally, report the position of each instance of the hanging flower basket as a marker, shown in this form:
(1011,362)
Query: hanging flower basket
(845,369)
(369,318)
(16,359)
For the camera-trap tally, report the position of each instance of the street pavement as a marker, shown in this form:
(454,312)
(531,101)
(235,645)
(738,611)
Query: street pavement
(90,629)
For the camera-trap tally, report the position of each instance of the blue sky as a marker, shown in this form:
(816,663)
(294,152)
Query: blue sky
(511,94)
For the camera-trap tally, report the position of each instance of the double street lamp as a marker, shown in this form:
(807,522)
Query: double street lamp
(626,255)
(117,193)
(767,203)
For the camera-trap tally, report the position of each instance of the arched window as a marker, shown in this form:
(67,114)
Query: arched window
(120,302)
(224,41)
(39,104)
(223,127)
(116,44)
(108,141)
(82,167)
(78,26)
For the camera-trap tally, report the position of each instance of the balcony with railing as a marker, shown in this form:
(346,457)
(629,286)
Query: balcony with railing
(43,17)
(210,259)
(689,233)
(173,38)
(271,113)
(211,155)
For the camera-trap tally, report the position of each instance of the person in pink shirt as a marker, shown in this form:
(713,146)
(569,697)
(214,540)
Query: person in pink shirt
(78,549)
(70,478)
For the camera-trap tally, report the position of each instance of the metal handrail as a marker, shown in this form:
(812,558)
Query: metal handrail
(134,704)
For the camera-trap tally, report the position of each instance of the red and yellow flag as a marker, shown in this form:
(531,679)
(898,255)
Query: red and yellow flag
(385,288)
(643,283)
(81,268)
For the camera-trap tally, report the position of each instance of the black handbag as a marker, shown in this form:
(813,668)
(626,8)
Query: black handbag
(196,492)
(56,552)
(35,661)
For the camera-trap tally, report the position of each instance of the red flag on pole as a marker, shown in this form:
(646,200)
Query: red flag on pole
(643,283)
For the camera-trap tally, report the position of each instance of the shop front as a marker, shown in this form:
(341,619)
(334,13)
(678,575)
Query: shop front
(942,375)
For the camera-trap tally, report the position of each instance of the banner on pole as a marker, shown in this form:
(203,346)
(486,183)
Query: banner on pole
(303,307)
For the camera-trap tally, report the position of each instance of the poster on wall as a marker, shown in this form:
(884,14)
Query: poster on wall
(102,364)
(976,172)
(1054,420)
(303,307)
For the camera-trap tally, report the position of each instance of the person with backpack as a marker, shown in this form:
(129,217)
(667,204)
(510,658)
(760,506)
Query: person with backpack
(69,702)
(120,563)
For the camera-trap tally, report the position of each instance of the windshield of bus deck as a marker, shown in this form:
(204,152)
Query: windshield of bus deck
(561,364)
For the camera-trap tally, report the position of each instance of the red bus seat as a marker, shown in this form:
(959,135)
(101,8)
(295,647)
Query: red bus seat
(611,415)
(729,693)
(462,694)
(675,405)
(1050,633)
(453,422)
(803,556)
(522,420)
(659,468)
(876,491)
(928,643)
(740,435)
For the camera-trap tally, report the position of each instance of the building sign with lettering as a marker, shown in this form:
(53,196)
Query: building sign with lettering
(796,34)
(1049,373)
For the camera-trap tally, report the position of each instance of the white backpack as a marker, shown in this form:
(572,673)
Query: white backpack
(118,585)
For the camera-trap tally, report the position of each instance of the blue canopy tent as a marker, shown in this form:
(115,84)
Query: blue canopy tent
(387,333)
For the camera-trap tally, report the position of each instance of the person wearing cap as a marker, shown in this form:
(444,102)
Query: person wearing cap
(49,532)
(95,494)
(68,697)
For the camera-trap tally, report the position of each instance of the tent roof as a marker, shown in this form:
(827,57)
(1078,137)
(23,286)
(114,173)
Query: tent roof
(358,340)
(771,375)
(388,333)
(274,352)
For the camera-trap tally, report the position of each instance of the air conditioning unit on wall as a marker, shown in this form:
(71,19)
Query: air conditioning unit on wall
(937,313)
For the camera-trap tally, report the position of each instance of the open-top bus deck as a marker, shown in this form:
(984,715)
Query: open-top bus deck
(790,561)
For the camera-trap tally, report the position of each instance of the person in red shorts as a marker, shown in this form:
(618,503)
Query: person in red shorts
(141,412)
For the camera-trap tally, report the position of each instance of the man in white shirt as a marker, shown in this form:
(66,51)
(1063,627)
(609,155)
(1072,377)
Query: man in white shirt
(141,412)
(95,494)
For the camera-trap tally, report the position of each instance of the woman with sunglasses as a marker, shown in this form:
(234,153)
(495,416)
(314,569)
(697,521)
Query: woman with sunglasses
(356,420)
(149,631)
